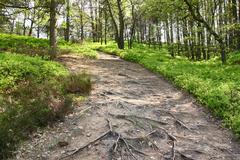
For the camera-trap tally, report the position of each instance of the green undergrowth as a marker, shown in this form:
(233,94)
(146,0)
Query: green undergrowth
(40,47)
(84,50)
(215,85)
(33,94)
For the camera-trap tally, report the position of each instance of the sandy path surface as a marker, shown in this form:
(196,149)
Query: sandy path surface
(134,114)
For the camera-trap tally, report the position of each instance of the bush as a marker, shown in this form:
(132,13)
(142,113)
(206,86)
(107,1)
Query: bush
(78,83)
(24,44)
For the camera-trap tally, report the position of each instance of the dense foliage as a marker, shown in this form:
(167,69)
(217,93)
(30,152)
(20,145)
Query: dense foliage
(215,85)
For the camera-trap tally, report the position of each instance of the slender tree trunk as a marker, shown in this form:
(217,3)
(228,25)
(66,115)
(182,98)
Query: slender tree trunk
(159,36)
(121,25)
(32,22)
(105,26)
(81,10)
(92,21)
(133,25)
(113,20)
(198,55)
(24,23)
(192,40)
(67,30)
(149,34)
(185,38)
(171,36)
(53,40)
(178,37)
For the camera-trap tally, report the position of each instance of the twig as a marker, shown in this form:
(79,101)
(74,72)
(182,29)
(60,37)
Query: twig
(184,156)
(138,151)
(110,125)
(154,144)
(178,121)
(128,148)
(182,124)
(116,144)
(173,151)
(85,110)
(169,135)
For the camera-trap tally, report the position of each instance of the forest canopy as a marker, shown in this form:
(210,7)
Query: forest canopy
(195,29)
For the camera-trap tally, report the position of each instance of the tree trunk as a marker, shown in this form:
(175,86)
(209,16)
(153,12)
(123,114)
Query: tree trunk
(105,26)
(67,30)
(92,21)
(133,25)
(113,20)
(53,40)
(121,25)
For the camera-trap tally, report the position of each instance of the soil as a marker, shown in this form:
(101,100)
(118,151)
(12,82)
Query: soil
(131,113)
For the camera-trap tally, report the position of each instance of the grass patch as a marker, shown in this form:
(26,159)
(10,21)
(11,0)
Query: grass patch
(215,85)
(33,94)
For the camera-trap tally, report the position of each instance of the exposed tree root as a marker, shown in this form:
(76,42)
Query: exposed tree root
(173,150)
(119,116)
(85,110)
(141,137)
(87,145)
(120,139)
(173,138)
(179,122)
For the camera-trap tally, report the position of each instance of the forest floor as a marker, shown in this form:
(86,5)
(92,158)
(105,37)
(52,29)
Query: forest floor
(131,113)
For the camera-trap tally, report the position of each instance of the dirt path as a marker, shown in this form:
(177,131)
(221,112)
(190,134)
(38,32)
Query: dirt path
(135,114)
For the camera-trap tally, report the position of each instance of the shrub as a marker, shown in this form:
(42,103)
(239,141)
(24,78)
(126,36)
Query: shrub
(24,44)
(78,83)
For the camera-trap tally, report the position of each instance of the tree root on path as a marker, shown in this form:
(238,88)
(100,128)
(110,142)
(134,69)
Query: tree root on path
(173,150)
(132,119)
(119,140)
(122,116)
(179,122)
(87,145)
